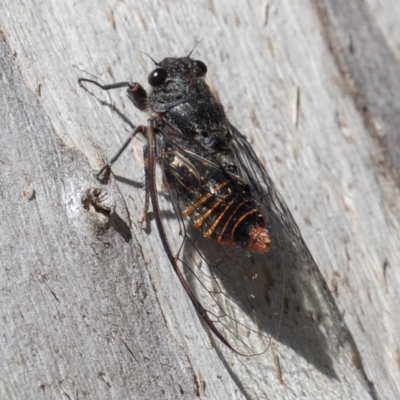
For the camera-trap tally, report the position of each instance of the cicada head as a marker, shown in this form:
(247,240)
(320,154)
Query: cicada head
(174,77)
(176,71)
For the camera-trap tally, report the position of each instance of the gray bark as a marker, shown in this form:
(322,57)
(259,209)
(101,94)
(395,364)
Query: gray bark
(89,305)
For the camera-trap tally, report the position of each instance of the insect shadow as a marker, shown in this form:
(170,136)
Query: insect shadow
(305,325)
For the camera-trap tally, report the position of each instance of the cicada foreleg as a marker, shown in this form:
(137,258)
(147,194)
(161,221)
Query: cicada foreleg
(138,96)
(136,93)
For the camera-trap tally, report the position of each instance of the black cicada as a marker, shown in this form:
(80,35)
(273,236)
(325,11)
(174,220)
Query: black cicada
(232,234)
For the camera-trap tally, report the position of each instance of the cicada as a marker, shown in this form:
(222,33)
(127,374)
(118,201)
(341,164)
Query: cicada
(232,234)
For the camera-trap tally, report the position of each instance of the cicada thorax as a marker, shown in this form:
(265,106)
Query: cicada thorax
(217,204)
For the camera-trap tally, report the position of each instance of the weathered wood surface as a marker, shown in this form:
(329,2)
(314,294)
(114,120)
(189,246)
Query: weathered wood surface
(89,307)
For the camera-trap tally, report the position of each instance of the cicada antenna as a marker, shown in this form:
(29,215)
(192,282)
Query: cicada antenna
(151,58)
(191,51)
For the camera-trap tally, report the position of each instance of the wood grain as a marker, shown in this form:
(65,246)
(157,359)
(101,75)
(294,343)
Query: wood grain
(89,305)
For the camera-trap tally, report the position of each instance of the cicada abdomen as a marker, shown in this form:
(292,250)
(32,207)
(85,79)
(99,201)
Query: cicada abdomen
(218,203)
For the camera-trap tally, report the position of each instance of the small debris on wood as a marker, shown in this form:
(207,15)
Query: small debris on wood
(98,200)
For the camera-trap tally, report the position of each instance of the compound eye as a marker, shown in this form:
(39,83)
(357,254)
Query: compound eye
(157,77)
(201,68)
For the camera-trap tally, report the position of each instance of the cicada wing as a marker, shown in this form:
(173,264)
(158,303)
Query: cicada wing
(307,297)
(240,292)
(252,171)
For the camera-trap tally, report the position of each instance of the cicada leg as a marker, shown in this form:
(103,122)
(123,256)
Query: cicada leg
(139,129)
(146,184)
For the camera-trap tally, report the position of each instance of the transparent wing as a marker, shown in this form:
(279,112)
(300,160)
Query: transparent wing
(309,311)
(240,292)
(252,171)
